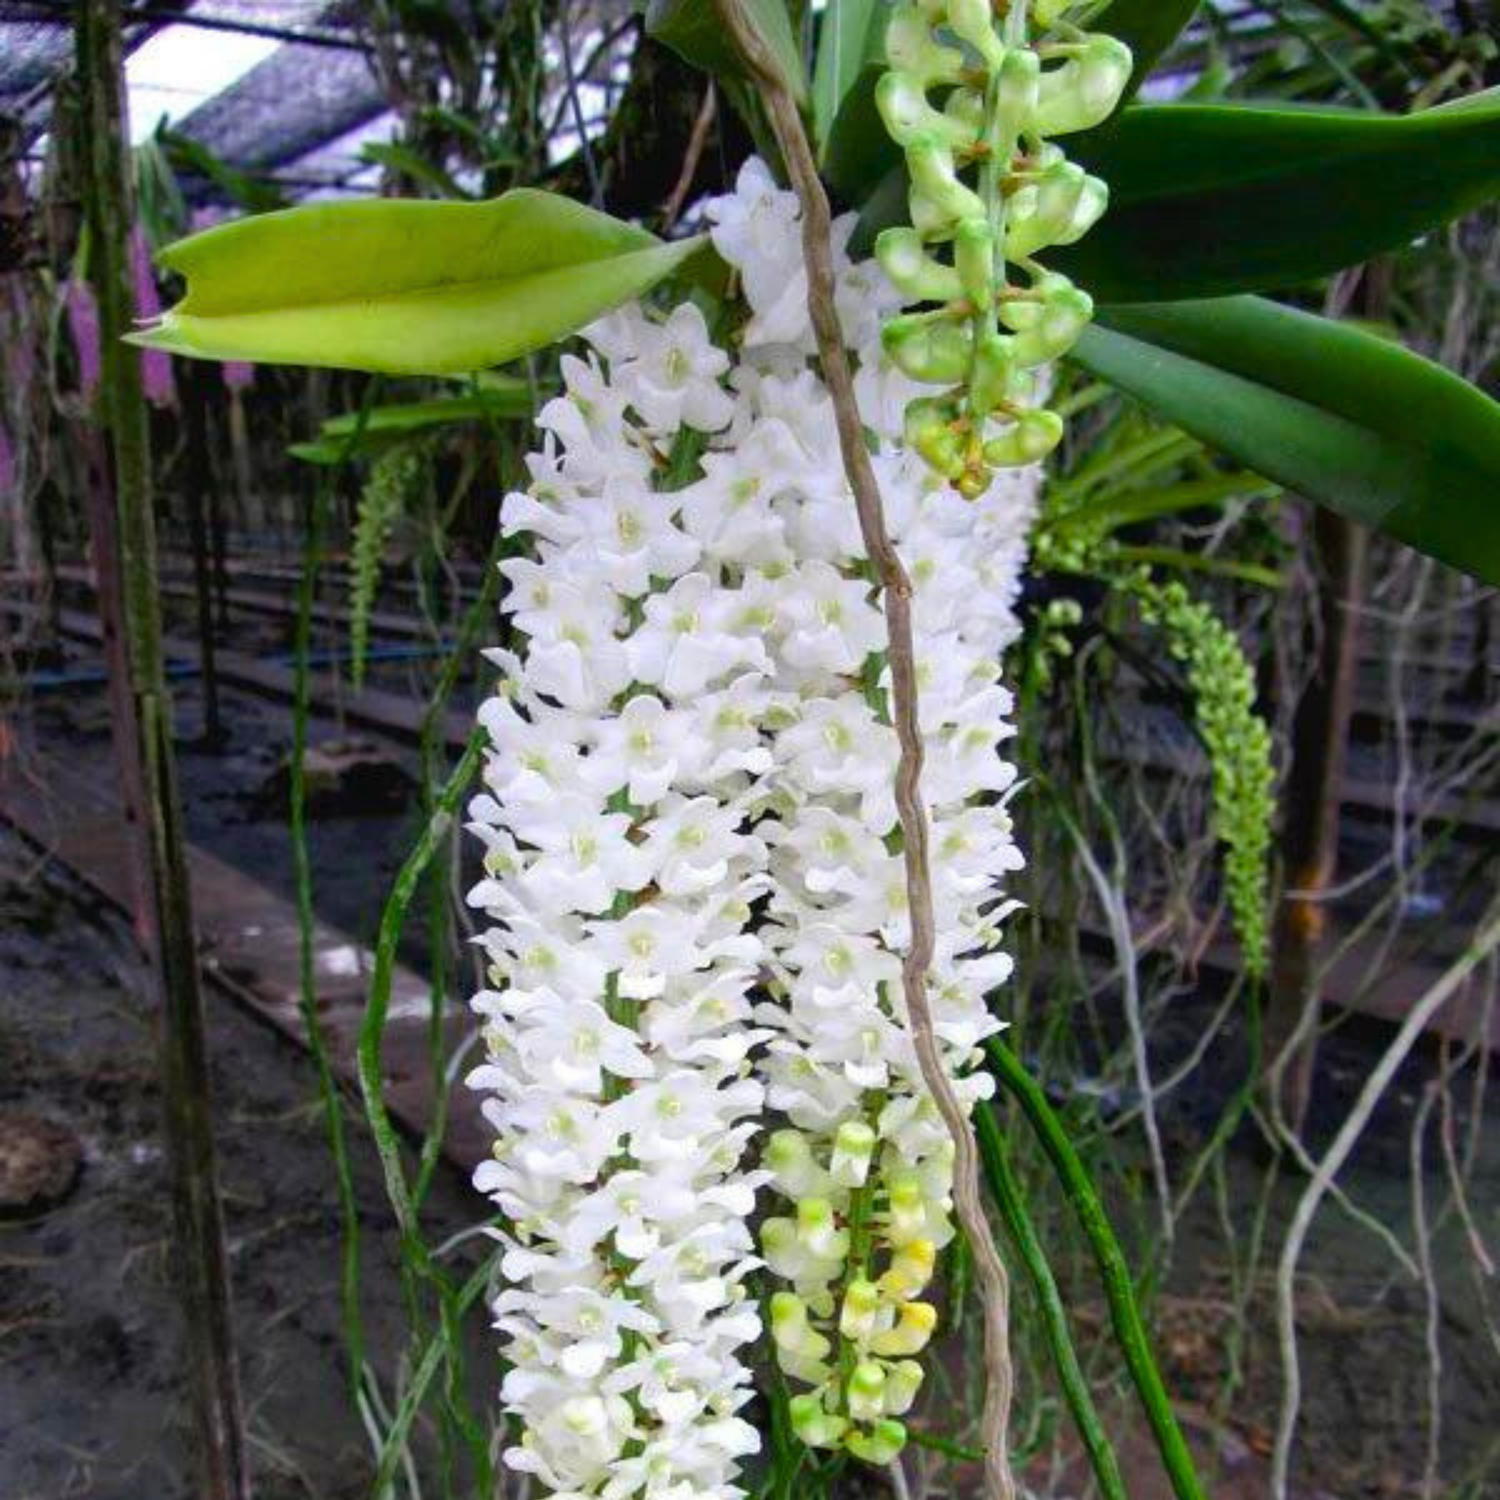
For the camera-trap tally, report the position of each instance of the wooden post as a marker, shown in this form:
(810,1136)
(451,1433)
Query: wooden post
(198,475)
(1310,830)
(125,554)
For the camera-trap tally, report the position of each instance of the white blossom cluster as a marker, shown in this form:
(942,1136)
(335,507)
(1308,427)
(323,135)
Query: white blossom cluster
(693,878)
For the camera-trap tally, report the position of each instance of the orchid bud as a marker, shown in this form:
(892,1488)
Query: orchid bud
(914,1328)
(865,1391)
(1083,92)
(915,274)
(853,1149)
(902,1382)
(814,1426)
(910,48)
(818,1231)
(973,21)
(910,1271)
(993,372)
(1029,440)
(935,181)
(789,1156)
(902,103)
(1059,209)
(861,1307)
(974,259)
(1017,91)
(1048,327)
(881,1446)
(928,347)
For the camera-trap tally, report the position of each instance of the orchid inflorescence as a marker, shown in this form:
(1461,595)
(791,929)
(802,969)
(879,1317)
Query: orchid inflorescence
(696,892)
(1008,80)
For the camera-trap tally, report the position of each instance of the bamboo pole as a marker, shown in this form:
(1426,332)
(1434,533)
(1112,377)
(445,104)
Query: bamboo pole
(125,555)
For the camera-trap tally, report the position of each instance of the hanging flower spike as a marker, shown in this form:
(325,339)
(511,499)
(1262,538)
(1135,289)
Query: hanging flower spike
(1010,84)
(863,1170)
(621,866)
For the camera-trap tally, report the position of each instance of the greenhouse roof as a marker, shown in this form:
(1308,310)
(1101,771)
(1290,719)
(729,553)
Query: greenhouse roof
(275,87)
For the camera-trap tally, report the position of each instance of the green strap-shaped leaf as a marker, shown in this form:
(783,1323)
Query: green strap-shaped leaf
(1148,28)
(852,40)
(1215,199)
(339,438)
(1207,200)
(693,30)
(405,287)
(1351,421)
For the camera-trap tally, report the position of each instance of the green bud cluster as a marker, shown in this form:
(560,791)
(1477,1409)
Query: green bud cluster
(394,479)
(858,1252)
(976,91)
(1238,742)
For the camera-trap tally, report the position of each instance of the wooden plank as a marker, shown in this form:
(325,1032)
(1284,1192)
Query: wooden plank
(248,947)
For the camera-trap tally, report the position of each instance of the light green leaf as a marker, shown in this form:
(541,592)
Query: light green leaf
(404,287)
(1213,199)
(1353,422)
(501,398)
(693,30)
(852,39)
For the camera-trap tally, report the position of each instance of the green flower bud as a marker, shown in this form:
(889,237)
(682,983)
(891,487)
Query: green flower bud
(861,1307)
(973,22)
(789,1156)
(992,377)
(935,181)
(930,347)
(974,259)
(881,1446)
(865,1392)
(910,48)
(915,274)
(818,1232)
(1058,209)
(1049,326)
(902,102)
(814,1426)
(1017,93)
(853,1149)
(914,1328)
(902,1382)
(1085,90)
(1032,437)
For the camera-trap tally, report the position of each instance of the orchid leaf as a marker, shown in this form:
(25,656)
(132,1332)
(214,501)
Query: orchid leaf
(1148,28)
(405,287)
(1349,420)
(1215,199)
(851,42)
(1212,199)
(693,30)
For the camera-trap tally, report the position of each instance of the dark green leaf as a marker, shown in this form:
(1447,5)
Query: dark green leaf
(1353,422)
(404,287)
(852,39)
(693,30)
(1214,199)
(1148,28)
(401,158)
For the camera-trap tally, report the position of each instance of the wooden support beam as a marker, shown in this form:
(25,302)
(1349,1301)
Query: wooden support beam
(124,538)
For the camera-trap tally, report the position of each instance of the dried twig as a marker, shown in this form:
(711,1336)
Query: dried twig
(692,158)
(896,593)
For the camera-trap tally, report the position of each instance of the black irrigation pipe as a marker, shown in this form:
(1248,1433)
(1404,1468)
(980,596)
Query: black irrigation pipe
(1119,1290)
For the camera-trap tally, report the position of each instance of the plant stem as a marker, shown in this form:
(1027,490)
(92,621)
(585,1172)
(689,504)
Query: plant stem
(896,594)
(307,987)
(1008,1194)
(1119,1291)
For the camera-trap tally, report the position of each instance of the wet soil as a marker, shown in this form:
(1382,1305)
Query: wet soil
(93,1399)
